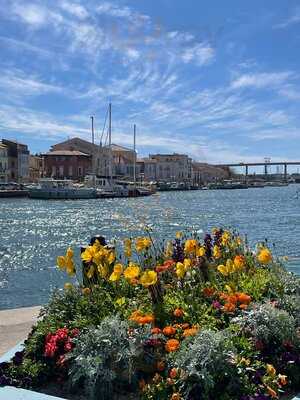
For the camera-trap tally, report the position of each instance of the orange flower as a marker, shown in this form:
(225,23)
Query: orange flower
(178,312)
(208,291)
(147,319)
(161,268)
(239,262)
(243,298)
(233,298)
(169,331)
(135,315)
(155,331)
(86,291)
(243,306)
(282,380)
(229,307)
(190,332)
(175,396)
(173,373)
(160,366)
(172,345)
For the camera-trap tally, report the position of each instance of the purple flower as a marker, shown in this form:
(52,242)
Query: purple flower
(178,252)
(216,304)
(208,244)
(18,357)
(4,381)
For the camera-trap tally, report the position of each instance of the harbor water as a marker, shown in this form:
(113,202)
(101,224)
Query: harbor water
(34,232)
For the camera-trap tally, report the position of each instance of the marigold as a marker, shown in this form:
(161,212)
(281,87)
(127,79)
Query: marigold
(169,331)
(244,298)
(147,319)
(190,332)
(185,326)
(148,278)
(155,331)
(178,312)
(172,345)
(175,396)
(229,307)
(264,256)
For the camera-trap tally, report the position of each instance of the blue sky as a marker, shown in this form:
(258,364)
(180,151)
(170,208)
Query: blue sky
(218,80)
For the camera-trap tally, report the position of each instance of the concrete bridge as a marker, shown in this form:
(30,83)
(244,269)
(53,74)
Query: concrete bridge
(265,164)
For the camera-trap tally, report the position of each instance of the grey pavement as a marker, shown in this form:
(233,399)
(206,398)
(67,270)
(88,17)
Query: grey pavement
(15,324)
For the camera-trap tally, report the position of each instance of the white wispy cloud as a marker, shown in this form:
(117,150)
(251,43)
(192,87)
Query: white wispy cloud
(292,20)
(200,53)
(75,9)
(261,80)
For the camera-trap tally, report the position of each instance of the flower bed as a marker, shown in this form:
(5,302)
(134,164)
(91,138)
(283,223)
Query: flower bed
(193,318)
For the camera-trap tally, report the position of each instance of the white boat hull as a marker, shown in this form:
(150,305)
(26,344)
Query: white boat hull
(71,194)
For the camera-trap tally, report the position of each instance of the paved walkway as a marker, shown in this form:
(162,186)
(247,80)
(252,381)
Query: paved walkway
(15,325)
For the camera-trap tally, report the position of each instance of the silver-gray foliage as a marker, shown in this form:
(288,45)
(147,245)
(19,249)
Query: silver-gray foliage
(205,360)
(104,357)
(269,324)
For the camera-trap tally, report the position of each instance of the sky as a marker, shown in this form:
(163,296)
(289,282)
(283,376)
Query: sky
(218,80)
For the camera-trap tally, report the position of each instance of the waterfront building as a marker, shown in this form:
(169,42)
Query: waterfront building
(122,157)
(203,173)
(67,164)
(3,163)
(172,167)
(146,169)
(18,161)
(36,167)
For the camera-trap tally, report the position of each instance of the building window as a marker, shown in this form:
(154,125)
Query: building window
(70,170)
(79,171)
(53,173)
(61,171)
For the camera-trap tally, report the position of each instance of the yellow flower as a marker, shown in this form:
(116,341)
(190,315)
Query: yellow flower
(223,269)
(111,257)
(131,272)
(103,270)
(271,370)
(217,252)
(239,262)
(264,256)
(61,262)
(169,250)
(225,238)
(68,286)
(90,272)
(69,253)
(180,270)
(148,278)
(118,269)
(114,277)
(127,248)
(142,243)
(178,235)
(187,263)
(70,266)
(190,246)
(201,251)
(120,301)
(88,254)
(228,288)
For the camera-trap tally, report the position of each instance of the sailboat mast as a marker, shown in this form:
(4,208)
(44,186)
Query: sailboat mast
(134,156)
(109,146)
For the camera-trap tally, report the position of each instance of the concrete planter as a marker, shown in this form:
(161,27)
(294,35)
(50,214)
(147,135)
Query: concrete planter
(12,393)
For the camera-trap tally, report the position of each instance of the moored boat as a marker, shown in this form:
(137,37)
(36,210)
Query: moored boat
(60,189)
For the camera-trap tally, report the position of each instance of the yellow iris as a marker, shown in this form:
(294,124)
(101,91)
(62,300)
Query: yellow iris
(169,250)
(88,254)
(264,256)
(180,270)
(61,262)
(114,277)
(148,278)
(190,246)
(217,252)
(111,257)
(118,268)
(132,272)
(201,251)
(239,262)
(142,243)
(127,248)
(103,270)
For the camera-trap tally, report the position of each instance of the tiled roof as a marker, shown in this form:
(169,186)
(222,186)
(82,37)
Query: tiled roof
(66,153)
